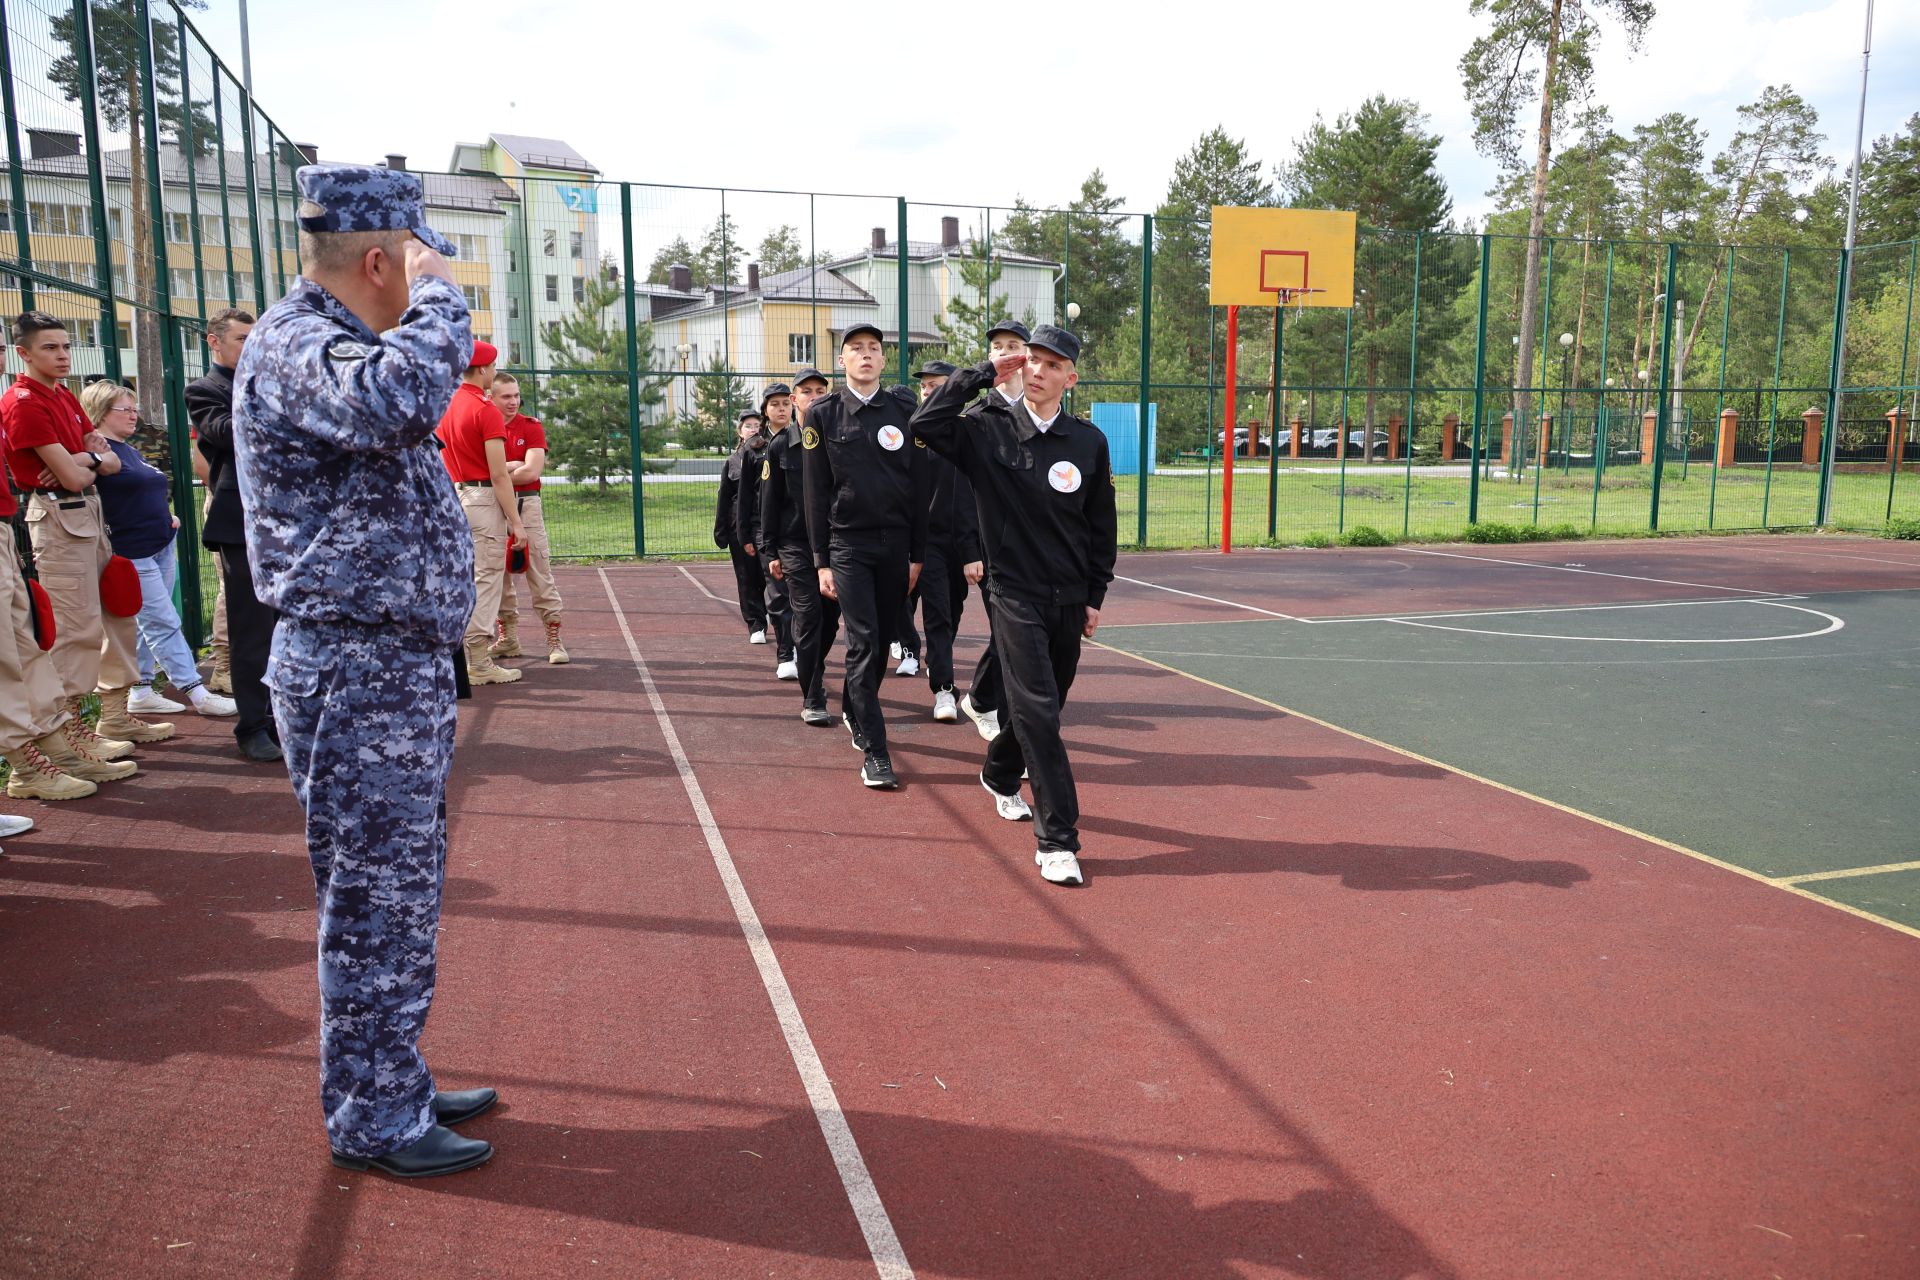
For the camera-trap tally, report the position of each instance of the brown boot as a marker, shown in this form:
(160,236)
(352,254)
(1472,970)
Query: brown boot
(35,777)
(117,722)
(66,757)
(508,644)
(97,746)
(220,679)
(481,668)
(556,652)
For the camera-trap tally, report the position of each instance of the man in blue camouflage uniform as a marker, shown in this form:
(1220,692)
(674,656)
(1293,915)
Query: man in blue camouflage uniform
(356,537)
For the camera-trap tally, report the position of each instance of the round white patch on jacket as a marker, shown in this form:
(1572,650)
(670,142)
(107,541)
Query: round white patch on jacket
(892,438)
(1064,476)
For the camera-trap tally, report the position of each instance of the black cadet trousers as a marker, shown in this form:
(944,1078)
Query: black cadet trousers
(750,587)
(1039,648)
(985,692)
(903,630)
(943,595)
(249,639)
(816,621)
(870,577)
(779,609)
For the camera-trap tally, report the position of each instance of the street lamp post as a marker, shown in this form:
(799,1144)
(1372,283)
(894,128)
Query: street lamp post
(1566,428)
(684,350)
(1073,314)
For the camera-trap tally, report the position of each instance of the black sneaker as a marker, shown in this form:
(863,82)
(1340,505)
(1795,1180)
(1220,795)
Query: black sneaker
(859,738)
(816,715)
(877,772)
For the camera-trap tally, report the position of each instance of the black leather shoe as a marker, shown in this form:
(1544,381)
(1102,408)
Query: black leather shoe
(461,1105)
(441,1151)
(261,748)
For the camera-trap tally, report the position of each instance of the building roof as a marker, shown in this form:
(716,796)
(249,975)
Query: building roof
(543,153)
(931,250)
(797,285)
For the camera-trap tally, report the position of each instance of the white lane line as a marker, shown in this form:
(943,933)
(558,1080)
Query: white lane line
(1833,624)
(1195,595)
(888,1257)
(696,582)
(1598,573)
(1508,613)
(1884,869)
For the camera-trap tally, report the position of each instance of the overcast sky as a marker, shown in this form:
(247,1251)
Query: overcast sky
(747,93)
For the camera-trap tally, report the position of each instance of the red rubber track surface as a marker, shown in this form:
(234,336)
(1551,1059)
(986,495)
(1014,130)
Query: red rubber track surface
(1323,1011)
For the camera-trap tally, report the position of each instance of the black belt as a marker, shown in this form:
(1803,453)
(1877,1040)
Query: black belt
(473,484)
(62,493)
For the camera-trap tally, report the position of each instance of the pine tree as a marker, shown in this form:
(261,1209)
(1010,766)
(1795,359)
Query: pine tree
(1101,266)
(721,254)
(973,305)
(675,253)
(780,250)
(587,413)
(719,397)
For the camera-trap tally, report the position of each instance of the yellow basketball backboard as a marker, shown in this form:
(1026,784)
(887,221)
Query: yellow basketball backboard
(1271,257)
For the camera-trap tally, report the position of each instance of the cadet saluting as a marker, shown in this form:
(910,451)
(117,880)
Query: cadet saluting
(868,490)
(1045,488)
(356,537)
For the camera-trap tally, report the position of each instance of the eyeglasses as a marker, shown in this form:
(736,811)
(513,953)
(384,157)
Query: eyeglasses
(133,409)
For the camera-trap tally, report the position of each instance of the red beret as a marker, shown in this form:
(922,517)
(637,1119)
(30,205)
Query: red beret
(120,587)
(44,630)
(484,354)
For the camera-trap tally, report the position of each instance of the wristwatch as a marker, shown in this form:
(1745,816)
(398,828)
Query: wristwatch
(96,459)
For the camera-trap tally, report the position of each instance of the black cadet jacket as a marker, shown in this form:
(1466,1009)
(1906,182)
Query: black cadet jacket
(953,523)
(210,410)
(746,502)
(782,519)
(725,504)
(865,472)
(1047,521)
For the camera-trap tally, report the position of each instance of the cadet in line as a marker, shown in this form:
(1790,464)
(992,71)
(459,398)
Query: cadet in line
(781,527)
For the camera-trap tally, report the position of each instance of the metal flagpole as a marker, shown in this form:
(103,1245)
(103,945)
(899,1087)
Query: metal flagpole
(1846,287)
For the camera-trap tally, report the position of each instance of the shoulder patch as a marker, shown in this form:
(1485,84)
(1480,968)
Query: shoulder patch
(344,351)
(809,439)
(766,468)
(918,442)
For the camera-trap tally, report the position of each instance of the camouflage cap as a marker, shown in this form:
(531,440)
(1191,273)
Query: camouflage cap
(360,197)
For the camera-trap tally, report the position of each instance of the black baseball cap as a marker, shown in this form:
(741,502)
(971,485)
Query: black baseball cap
(751,413)
(1013,327)
(862,327)
(934,369)
(1052,338)
(774,389)
(811,374)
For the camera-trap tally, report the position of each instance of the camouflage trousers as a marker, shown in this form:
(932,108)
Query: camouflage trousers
(366,720)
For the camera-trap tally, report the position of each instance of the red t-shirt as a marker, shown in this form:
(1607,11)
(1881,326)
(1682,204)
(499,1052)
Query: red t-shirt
(34,414)
(469,422)
(524,433)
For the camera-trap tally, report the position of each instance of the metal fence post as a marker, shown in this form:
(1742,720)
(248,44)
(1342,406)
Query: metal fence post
(1479,382)
(1822,505)
(634,450)
(190,160)
(1413,378)
(16,172)
(96,188)
(906,341)
(1906,341)
(226,209)
(1663,415)
(1146,366)
(253,205)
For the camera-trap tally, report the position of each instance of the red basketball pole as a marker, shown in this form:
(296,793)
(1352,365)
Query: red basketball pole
(1233,369)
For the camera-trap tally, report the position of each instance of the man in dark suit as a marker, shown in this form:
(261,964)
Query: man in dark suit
(249,623)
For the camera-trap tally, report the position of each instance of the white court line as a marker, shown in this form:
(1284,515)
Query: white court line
(888,1257)
(1507,613)
(696,582)
(1598,573)
(1195,595)
(1833,624)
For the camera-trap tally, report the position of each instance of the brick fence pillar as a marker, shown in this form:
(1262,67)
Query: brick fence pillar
(1340,441)
(1649,434)
(1449,436)
(1810,436)
(1393,437)
(1506,441)
(1294,430)
(1729,428)
(1896,437)
(1546,438)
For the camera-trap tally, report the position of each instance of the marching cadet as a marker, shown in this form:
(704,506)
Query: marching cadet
(54,453)
(953,560)
(526,461)
(748,581)
(981,703)
(1045,488)
(474,440)
(776,410)
(359,541)
(781,528)
(867,492)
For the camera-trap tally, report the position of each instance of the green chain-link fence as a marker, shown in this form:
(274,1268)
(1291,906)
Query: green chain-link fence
(1676,386)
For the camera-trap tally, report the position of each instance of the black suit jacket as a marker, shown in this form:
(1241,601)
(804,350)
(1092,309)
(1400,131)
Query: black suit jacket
(210,410)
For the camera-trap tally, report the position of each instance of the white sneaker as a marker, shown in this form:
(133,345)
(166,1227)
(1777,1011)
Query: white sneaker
(909,666)
(1012,807)
(788,670)
(145,701)
(758,637)
(943,709)
(208,703)
(1057,866)
(13,825)
(985,723)
(894,651)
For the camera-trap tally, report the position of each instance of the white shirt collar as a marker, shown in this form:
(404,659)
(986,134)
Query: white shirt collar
(854,392)
(1046,424)
(1011,398)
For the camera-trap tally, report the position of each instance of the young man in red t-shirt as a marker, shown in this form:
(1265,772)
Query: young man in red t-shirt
(473,445)
(526,459)
(54,453)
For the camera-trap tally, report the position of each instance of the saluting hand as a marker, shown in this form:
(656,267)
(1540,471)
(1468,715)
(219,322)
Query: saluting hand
(424,261)
(1093,622)
(1006,364)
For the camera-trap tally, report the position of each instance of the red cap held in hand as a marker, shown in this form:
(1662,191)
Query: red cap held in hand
(120,587)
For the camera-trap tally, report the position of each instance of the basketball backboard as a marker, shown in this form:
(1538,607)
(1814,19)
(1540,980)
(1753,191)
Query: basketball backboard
(1275,257)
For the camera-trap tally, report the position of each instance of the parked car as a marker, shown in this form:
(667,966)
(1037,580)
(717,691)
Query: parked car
(1323,439)
(1240,442)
